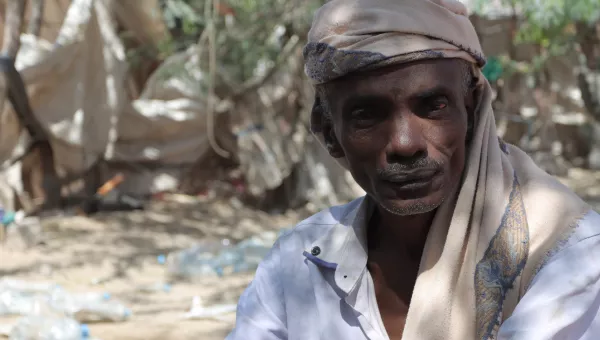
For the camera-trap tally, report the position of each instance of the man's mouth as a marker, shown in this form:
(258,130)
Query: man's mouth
(411,180)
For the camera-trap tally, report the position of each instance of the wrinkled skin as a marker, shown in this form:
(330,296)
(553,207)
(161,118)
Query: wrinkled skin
(403,131)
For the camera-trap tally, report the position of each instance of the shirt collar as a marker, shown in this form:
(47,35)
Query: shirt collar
(343,247)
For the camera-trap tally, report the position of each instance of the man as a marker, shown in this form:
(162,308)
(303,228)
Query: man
(460,236)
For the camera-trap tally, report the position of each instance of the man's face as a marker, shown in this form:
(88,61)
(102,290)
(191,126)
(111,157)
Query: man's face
(402,130)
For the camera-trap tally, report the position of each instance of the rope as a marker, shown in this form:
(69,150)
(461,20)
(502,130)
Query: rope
(210,13)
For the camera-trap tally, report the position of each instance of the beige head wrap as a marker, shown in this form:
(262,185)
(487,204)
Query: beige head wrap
(486,244)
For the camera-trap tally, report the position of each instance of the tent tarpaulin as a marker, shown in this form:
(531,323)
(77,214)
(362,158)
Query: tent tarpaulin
(77,90)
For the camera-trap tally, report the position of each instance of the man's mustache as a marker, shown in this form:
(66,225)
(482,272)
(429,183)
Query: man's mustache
(398,170)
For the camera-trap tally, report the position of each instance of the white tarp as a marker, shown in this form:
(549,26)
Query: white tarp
(167,123)
(76,88)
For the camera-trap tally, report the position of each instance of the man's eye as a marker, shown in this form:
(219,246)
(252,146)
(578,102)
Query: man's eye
(432,106)
(362,118)
(361,114)
(438,105)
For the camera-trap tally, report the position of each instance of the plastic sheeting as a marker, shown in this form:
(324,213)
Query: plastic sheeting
(77,89)
(167,123)
(74,87)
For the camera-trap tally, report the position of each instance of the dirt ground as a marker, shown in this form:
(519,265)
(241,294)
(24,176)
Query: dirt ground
(120,250)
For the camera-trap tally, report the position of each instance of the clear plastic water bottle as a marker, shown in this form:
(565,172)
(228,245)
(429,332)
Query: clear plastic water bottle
(48,328)
(89,306)
(24,301)
(14,303)
(251,253)
(229,261)
(27,287)
(196,261)
(154,287)
(102,311)
(70,304)
(91,296)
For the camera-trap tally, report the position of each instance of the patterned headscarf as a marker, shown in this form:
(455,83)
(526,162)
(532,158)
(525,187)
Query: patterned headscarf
(356,35)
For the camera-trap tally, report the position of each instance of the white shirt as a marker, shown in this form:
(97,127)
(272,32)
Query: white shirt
(314,284)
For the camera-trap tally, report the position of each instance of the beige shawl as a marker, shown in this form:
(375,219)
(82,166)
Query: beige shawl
(484,246)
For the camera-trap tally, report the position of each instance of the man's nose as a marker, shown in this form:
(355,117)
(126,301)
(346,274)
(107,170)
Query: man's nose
(406,140)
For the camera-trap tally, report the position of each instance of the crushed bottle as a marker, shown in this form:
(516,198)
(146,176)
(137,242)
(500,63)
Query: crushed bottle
(27,286)
(196,261)
(19,297)
(39,327)
(26,298)
(88,306)
(154,287)
(101,311)
(220,258)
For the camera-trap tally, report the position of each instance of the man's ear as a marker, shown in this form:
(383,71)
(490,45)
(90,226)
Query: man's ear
(320,123)
(331,142)
(473,102)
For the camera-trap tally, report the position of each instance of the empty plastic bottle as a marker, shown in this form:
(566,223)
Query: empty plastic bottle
(70,304)
(27,287)
(252,251)
(15,303)
(23,301)
(102,311)
(228,261)
(196,261)
(154,287)
(221,259)
(48,328)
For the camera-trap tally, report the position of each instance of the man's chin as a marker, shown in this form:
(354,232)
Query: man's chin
(411,207)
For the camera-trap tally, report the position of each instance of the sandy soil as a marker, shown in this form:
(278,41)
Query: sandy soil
(122,250)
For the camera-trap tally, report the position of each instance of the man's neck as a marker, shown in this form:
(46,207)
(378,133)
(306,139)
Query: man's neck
(390,232)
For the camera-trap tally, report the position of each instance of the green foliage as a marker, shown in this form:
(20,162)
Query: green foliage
(493,69)
(548,24)
(256,31)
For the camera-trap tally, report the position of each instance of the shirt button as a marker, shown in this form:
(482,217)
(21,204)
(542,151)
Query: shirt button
(315,251)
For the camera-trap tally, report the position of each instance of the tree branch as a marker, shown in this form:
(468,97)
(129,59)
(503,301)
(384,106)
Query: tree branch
(37,17)
(15,10)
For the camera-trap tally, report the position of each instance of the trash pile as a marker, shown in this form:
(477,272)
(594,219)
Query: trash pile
(218,258)
(50,312)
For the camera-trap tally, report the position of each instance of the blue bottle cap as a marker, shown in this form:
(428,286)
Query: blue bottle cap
(106,296)
(219,271)
(8,218)
(161,259)
(85,331)
(167,288)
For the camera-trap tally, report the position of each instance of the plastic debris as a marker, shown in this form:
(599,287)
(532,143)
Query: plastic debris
(48,328)
(27,298)
(220,258)
(198,311)
(155,287)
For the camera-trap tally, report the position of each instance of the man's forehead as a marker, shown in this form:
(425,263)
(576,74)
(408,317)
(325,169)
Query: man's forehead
(411,77)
